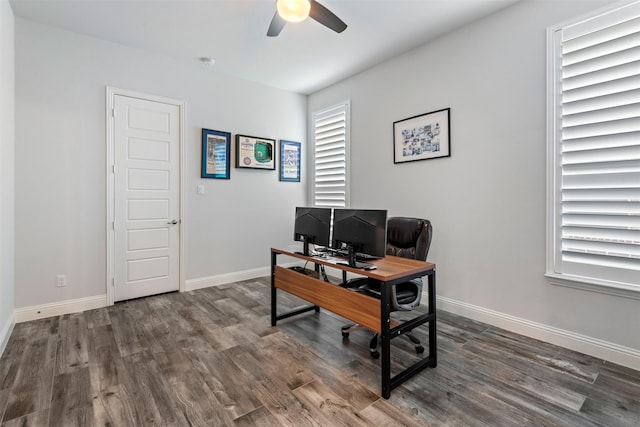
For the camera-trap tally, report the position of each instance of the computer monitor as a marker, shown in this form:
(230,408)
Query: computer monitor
(312,226)
(360,231)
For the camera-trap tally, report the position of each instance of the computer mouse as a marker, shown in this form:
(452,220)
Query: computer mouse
(370,267)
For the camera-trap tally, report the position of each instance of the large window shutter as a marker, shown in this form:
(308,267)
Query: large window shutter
(330,157)
(597,149)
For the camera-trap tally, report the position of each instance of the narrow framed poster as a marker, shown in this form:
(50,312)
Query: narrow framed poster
(289,161)
(216,154)
(255,153)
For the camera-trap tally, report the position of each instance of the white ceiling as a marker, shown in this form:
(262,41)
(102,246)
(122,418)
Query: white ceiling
(305,57)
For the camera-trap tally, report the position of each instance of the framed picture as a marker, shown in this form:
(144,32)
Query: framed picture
(289,161)
(216,154)
(423,137)
(255,153)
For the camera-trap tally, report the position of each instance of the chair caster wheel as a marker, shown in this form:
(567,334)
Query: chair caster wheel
(345,335)
(375,354)
(419,349)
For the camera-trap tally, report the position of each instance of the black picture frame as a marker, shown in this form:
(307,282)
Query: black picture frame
(253,152)
(423,137)
(290,155)
(216,154)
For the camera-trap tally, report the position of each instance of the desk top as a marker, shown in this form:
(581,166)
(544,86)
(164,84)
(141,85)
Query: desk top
(387,268)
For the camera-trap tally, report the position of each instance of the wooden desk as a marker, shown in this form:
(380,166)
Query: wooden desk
(370,312)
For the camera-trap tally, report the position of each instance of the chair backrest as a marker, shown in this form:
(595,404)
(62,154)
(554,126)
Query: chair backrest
(409,237)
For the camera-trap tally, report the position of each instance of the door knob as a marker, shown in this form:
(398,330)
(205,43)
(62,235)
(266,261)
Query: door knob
(174,222)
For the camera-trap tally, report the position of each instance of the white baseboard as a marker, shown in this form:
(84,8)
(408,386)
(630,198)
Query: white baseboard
(221,279)
(5,333)
(611,352)
(59,308)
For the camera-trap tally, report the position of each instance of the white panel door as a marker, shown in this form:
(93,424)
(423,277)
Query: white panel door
(147,197)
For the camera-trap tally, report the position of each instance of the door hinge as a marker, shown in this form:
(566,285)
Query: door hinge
(113,225)
(113,168)
(113,112)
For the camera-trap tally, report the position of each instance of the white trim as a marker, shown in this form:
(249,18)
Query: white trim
(221,279)
(605,350)
(34,312)
(615,8)
(6,333)
(593,285)
(236,276)
(111,92)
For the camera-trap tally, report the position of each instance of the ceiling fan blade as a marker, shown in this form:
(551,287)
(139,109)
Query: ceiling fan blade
(277,24)
(326,17)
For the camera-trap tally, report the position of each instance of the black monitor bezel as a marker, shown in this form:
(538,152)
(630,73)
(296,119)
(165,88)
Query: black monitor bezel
(320,235)
(353,239)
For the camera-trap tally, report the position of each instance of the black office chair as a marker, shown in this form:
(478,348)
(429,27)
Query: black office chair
(408,238)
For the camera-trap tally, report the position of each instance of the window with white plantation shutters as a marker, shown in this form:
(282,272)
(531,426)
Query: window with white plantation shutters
(331,160)
(594,152)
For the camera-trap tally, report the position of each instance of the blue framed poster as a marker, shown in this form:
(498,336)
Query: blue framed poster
(290,161)
(216,154)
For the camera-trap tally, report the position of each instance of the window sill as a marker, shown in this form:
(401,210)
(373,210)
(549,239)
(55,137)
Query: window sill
(623,290)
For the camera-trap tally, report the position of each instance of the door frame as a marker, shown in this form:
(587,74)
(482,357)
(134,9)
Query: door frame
(111,93)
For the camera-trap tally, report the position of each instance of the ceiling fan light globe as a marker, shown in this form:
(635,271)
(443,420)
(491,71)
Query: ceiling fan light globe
(293,10)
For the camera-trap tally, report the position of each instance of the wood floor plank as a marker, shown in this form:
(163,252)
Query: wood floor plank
(266,360)
(282,404)
(72,351)
(96,318)
(72,401)
(258,417)
(4,398)
(382,414)
(227,382)
(482,354)
(125,330)
(31,389)
(328,406)
(150,391)
(197,403)
(115,406)
(613,412)
(40,418)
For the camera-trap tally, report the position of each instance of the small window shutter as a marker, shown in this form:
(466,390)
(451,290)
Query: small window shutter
(599,132)
(330,157)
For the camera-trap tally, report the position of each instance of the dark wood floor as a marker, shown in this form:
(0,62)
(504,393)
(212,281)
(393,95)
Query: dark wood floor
(211,358)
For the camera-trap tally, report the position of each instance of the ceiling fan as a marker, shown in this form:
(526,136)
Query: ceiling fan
(299,10)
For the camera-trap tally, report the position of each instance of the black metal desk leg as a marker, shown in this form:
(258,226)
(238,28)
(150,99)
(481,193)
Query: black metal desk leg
(433,351)
(385,339)
(274,305)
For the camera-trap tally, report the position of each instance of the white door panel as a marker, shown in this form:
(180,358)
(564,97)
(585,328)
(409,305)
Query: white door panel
(148,239)
(148,209)
(148,179)
(147,197)
(141,149)
(147,268)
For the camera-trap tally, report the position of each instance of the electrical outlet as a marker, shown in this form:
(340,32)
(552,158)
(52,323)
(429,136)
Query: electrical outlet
(62,280)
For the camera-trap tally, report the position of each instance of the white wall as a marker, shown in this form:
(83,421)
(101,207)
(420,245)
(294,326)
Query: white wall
(7,139)
(487,201)
(60,162)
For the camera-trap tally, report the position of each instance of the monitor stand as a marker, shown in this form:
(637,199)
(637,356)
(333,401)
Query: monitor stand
(305,246)
(351,260)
